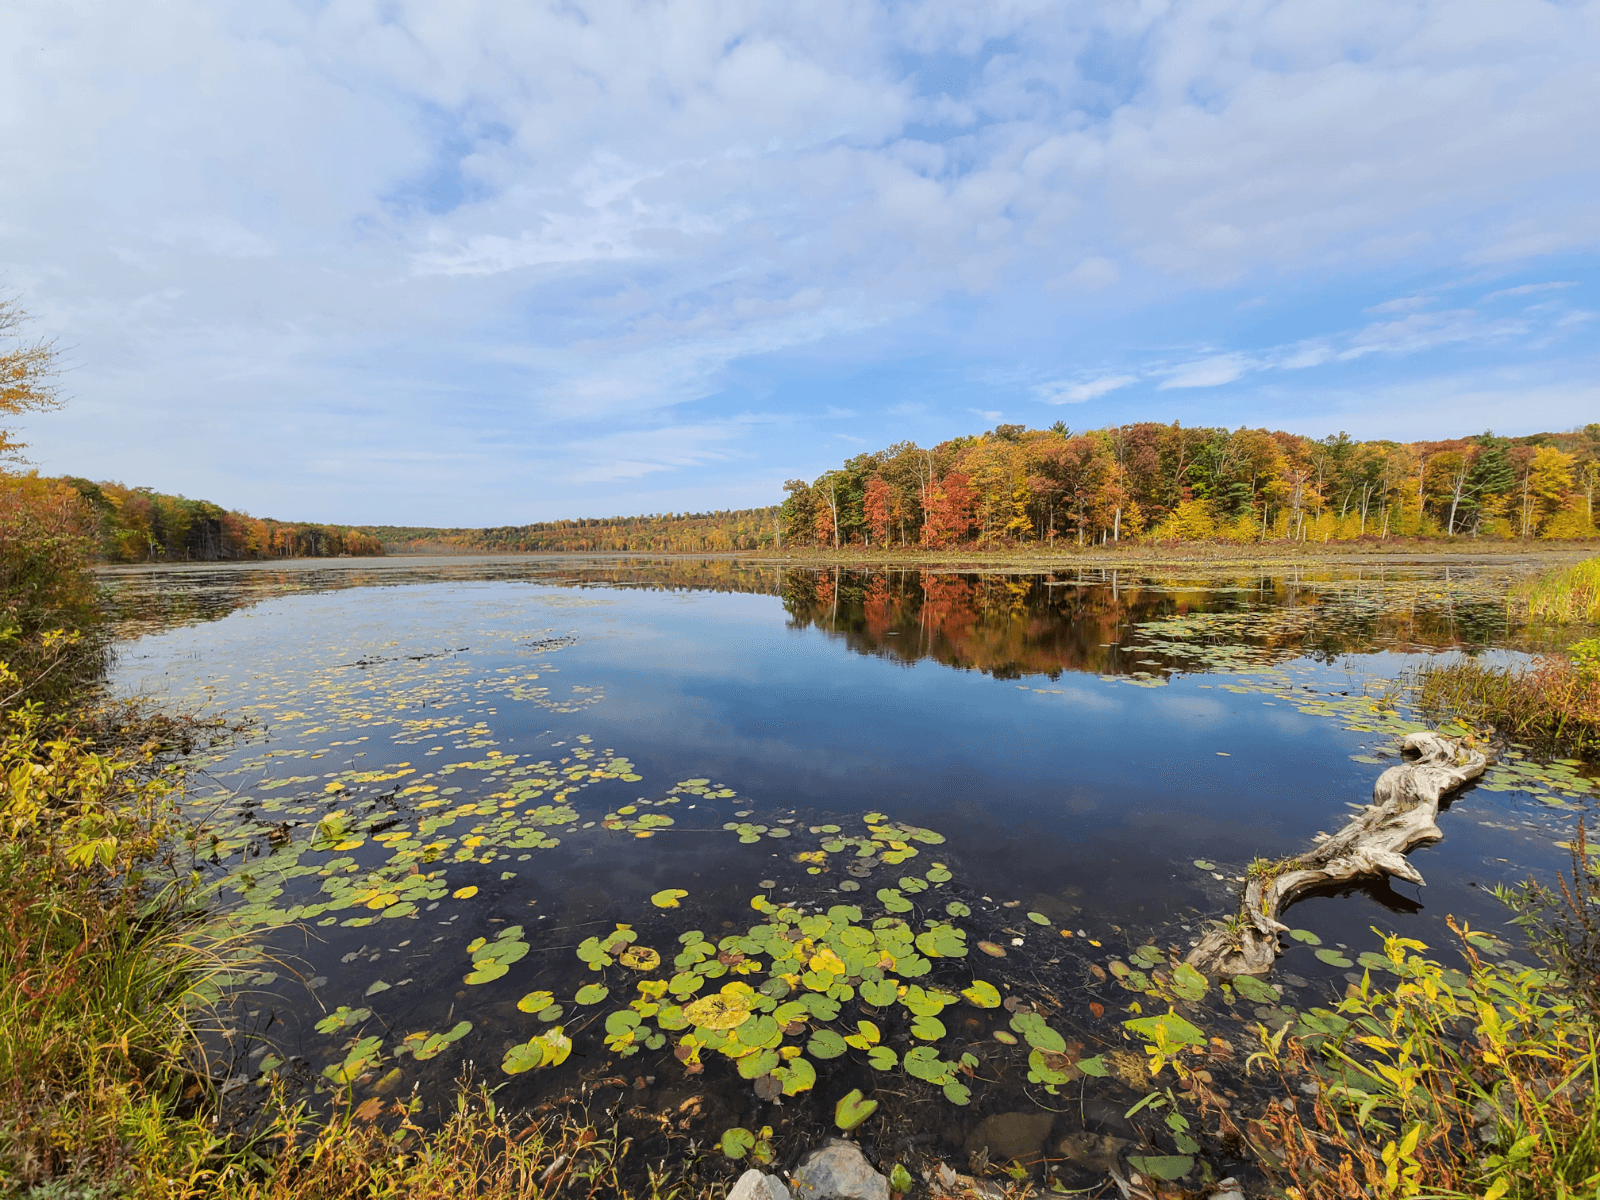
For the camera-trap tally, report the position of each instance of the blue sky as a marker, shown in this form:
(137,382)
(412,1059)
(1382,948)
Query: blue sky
(491,262)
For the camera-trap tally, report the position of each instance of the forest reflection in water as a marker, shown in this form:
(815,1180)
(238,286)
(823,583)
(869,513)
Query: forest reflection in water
(1003,623)
(1009,625)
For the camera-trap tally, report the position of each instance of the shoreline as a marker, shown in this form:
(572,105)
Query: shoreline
(1131,555)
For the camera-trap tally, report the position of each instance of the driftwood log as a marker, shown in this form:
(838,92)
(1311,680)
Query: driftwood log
(1405,803)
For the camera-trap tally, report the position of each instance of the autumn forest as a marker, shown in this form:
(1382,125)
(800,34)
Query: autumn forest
(1009,487)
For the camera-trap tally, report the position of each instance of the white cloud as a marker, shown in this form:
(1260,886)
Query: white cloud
(1401,304)
(1077,393)
(1529,289)
(476,228)
(1208,372)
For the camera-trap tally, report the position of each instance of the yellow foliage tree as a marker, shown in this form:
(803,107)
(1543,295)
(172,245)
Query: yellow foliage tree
(28,371)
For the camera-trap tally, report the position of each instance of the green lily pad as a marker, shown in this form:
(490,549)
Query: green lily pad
(879,993)
(1188,983)
(1162,1166)
(1205,864)
(762,1062)
(1306,936)
(957,1093)
(1255,990)
(881,1058)
(592,993)
(893,900)
(668,897)
(852,1110)
(737,1142)
(797,1075)
(1038,1034)
(982,994)
(1334,959)
(1038,918)
(825,1044)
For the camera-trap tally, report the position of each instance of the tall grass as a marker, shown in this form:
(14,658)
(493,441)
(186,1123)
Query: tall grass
(480,1150)
(1554,703)
(1431,1082)
(100,1071)
(1570,594)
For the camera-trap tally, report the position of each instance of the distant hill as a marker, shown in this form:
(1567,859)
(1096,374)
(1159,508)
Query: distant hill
(732,529)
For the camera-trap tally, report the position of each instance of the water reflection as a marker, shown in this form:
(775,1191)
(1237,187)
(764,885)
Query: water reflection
(1010,625)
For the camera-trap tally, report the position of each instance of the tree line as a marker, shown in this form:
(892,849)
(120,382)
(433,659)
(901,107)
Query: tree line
(1163,482)
(143,525)
(710,532)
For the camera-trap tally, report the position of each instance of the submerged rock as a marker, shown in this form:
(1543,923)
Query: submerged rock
(757,1185)
(1010,1135)
(1096,1151)
(838,1171)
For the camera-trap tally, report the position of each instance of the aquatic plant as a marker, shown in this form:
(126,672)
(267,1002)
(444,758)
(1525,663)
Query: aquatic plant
(1555,703)
(1568,594)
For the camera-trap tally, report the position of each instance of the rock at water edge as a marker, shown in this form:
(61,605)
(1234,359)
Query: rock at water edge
(838,1171)
(756,1185)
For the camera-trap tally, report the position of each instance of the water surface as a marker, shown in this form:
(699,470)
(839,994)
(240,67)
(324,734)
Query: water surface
(444,750)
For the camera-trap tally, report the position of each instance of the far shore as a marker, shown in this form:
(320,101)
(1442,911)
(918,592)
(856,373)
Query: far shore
(1025,559)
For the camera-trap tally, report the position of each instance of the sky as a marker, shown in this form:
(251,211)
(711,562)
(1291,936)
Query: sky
(396,261)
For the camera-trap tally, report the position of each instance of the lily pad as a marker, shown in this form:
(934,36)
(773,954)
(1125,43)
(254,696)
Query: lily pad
(825,1044)
(982,994)
(1038,918)
(1037,1033)
(1334,959)
(640,958)
(1255,990)
(1306,936)
(737,1142)
(1162,1166)
(668,897)
(1189,983)
(881,1058)
(721,1010)
(592,993)
(852,1110)
(880,993)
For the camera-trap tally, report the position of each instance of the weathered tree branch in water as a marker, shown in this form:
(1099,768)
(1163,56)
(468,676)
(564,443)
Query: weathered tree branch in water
(1405,803)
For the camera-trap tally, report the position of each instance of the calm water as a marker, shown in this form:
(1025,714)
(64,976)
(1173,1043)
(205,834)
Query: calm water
(1080,742)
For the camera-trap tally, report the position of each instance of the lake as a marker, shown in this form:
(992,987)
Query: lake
(514,818)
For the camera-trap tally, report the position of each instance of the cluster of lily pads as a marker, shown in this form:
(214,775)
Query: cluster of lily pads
(772,999)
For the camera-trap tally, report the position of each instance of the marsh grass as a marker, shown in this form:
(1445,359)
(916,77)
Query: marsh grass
(1438,1084)
(479,1150)
(1555,703)
(1569,594)
(101,1073)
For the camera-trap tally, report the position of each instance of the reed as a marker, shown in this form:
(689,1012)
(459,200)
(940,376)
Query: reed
(1571,594)
(1554,703)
